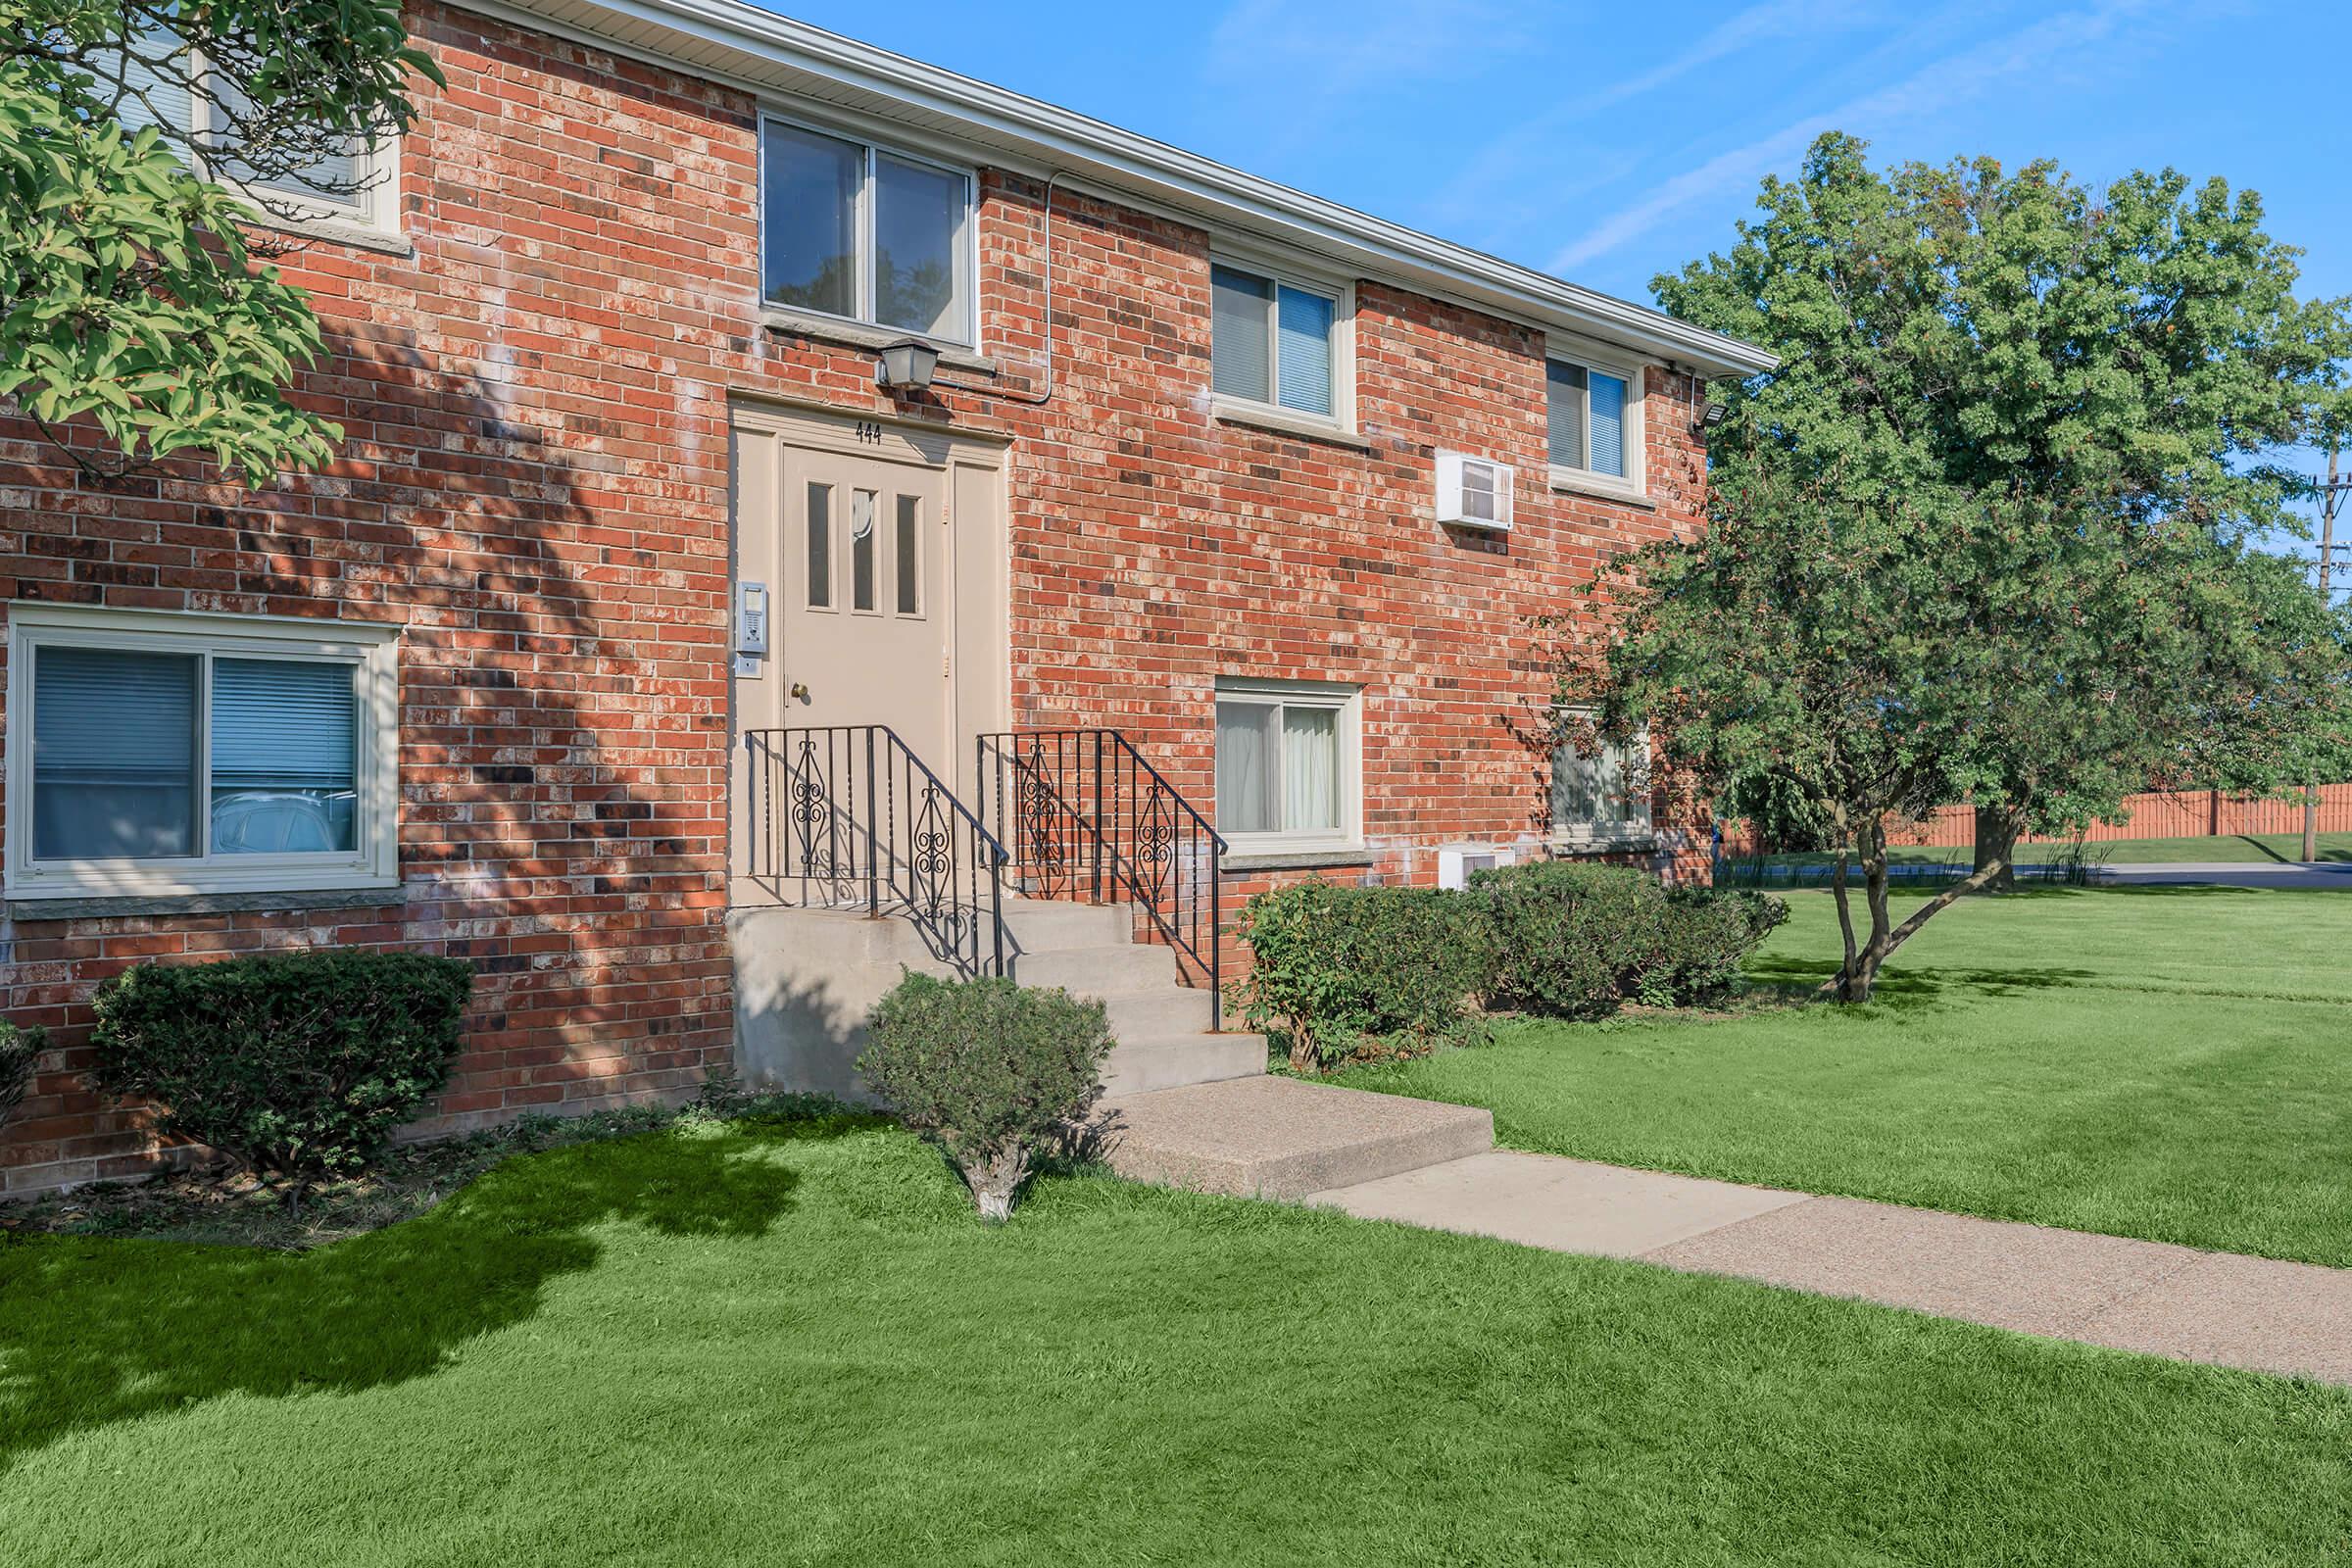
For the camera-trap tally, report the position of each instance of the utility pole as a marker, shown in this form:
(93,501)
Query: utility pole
(2331,497)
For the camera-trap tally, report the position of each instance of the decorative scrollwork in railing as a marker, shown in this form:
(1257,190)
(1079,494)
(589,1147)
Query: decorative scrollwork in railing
(845,815)
(1091,818)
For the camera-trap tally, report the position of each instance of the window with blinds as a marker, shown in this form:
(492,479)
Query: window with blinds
(157,79)
(1274,341)
(1601,795)
(1585,412)
(165,752)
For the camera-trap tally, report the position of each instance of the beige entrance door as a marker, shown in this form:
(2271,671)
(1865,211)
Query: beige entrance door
(864,629)
(878,550)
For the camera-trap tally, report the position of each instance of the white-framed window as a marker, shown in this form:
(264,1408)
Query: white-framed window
(361,183)
(1600,788)
(1279,341)
(154,753)
(1290,770)
(1593,412)
(856,232)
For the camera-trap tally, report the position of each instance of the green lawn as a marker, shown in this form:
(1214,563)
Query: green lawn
(2172,1064)
(793,1345)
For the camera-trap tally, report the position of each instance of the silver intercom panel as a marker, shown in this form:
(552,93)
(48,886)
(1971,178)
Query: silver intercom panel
(751,626)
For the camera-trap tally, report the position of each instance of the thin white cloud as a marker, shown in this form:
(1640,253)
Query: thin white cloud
(1317,54)
(1759,24)
(1518,179)
(1956,80)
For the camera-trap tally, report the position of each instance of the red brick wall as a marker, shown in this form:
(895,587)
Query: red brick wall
(534,483)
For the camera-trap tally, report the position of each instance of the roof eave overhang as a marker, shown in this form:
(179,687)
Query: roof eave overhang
(732,42)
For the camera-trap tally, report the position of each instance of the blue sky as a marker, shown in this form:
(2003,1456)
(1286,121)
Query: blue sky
(1608,142)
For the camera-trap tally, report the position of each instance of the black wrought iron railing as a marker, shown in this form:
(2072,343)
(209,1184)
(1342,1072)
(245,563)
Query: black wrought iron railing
(1085,816)
(846,816)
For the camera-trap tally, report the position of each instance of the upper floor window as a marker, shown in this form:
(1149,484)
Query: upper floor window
(850,230)
(354,185)
(1277,341)
(154,753)
(1590,410)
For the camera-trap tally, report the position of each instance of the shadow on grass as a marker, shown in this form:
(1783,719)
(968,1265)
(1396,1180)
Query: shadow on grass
(97,1331)
(1908,990)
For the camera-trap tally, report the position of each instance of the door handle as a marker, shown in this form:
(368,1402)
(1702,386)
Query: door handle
(800,692)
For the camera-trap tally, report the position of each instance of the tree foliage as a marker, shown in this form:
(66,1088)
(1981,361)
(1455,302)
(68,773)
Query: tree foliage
(132,292)
(1990,530)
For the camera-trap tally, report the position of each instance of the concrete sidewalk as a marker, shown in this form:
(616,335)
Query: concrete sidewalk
(2251,1312)
(2330,876)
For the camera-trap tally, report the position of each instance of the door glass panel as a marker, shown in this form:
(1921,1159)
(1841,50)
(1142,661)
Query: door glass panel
(113,754)
(820,547)
(861,550)
(910,558)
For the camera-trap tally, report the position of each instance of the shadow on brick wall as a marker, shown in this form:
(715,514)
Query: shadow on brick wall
(562,575)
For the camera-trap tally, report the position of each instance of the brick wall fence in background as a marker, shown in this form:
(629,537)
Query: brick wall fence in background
(2173,815)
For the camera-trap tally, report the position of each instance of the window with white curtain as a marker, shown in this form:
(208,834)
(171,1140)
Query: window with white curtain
(1590,414)
(852,231)
(1277,341)
(161,754)
(1287,764)
(1601,790)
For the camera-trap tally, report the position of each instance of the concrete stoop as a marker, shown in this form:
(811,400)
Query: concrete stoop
(1282,1138)
(805,980)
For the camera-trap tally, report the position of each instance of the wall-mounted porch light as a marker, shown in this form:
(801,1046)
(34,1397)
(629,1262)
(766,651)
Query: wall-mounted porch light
(907,365)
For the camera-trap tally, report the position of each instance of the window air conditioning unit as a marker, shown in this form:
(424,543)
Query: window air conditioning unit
(1455,861)
(1474,492)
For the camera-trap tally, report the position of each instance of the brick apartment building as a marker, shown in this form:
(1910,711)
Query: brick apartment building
(624,511)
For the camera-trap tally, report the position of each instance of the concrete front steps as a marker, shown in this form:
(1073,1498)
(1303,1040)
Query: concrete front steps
(1183,1106)
(805,980)
(1284,1138)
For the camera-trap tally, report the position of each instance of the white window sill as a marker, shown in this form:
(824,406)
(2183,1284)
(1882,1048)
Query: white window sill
(1283,422)
(1577,482)
(1629,841)
(1295,855)
(97,906)
(336,230)
(861,335)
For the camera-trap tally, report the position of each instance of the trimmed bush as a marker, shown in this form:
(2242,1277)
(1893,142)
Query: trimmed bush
(1332,966)
(1575,940)
(1704,936)
(19,1048)
(1568,935)
(296,1065)
(993,1072)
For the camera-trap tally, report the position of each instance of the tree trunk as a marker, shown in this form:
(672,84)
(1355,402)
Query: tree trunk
(1996,846)
(2311,823)
(1844,983)
(1306,1058)
(1865,968)
(994,1180)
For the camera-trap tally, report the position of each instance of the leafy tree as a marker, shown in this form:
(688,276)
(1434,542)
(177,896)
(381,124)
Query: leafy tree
(132,292)
(1834,667)
(2098,361)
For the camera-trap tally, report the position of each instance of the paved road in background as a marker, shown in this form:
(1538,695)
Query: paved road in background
(2332,874)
